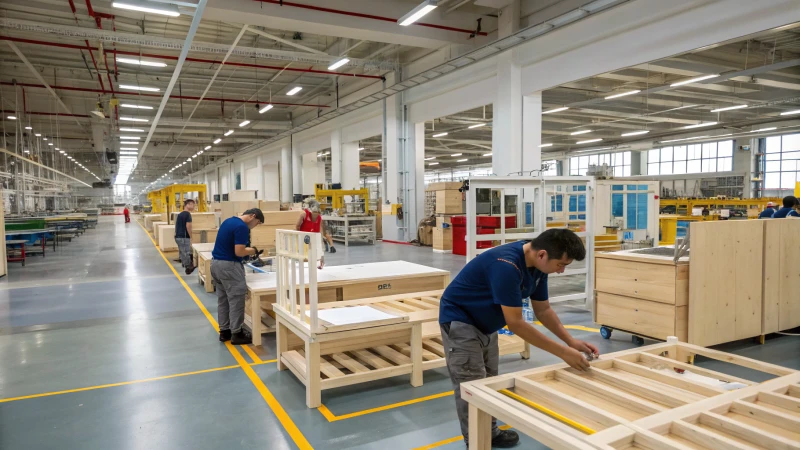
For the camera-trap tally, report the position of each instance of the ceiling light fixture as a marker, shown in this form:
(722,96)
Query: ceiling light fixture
(228,133)
(11,117)
(417,13)
(208,147)
(138,88)
(477,125)
(580,132)
(635,133)
(728,108)
(430,158)
(294,90)
(128,105)
(44,139)
(439,135)
(764,129)
(128,153)
(244,124)
(623,94)
(129,138)
(555,110)
(140,63)
(265,109)
(62,152)
(133,119)
(148,7)
(698,125)
(462,160)
(128,148)
(134,130)
(789,113)
(49,143)
(433,164)
(589,141)
(545,145)
(487,154)
(684,139)
(339,63)
(38,135)
(29,127)
(693,80)
(217,141)
(456,154)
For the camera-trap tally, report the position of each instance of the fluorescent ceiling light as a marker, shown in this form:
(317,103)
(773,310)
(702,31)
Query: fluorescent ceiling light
(40,134)
(789,113)
(580,132)
(194,156)
(729,108)
(128,105)
(433,164)
(129,138)
(428,159)
(129,142)
(360,148)
(217,141)
(208,147)
(26,151)
(228,133)
(29,127)
(133,119)
(555,110)
(439,135)
(705,124)
(128,148)
(545,145)
(417,13)
(245,123)
(138,88)
(49,143)
(462,160)
(135,130)
(477,125)
(764,129)
(11,117)
(188,159)
(635,133)
(589,141)
(487,154)
(265,109)
(693,80)
(140,63)
(456,154)
(62,152)
(57,149)
(339,63)
(128,153)
(294,90)
(148,7)
(686,139)
(624,94)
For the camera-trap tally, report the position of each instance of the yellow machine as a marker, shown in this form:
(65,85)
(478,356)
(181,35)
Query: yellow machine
(334,198)
(170,198)
(682,207)
(797,189)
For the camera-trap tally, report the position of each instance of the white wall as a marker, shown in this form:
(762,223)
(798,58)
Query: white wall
(272,182)
(313,173)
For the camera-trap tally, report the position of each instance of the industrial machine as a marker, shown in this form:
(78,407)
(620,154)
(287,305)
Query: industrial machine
(344,201)
(170,198)
(346,213)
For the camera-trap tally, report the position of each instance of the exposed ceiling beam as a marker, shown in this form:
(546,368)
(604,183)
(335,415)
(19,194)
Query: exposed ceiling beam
(284,41)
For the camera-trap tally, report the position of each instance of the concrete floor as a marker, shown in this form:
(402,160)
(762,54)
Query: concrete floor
(103,347)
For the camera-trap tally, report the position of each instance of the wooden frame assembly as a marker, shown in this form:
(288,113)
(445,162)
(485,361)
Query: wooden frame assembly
(648,398)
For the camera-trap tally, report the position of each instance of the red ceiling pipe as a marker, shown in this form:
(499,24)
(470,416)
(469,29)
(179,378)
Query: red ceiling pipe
(145,94)
(365,16)
(174,58)
(99,78)
(40,113)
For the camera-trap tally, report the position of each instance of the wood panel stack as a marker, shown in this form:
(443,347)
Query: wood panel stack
(447,202)
(781,275)
(268,205)
(166,238)
(150,218)
(443,235)
(263,236)
(235,208)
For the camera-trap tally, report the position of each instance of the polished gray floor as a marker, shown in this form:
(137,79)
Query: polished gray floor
(105,310)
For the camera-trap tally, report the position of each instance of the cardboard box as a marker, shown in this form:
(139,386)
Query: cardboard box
(449,202)
(265,205)
(443,239)
(443,186)
(426,235)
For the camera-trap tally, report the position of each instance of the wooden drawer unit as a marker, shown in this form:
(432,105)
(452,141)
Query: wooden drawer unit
(659,282)
(644,317)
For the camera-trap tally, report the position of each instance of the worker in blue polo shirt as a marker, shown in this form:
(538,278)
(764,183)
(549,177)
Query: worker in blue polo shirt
(487,295)
(768,211)
(789,203)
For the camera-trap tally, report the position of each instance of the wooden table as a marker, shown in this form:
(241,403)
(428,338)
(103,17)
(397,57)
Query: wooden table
(347,282)
(197,248)
(639,399)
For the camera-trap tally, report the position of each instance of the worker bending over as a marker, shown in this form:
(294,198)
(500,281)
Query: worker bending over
(788,210)
(310,221)
(227,272)
(768,211)
(487,295)
(183,235)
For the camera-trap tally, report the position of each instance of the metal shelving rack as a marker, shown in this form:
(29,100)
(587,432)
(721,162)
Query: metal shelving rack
(347,228)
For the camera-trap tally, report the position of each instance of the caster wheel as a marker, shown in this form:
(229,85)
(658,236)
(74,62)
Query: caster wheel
(637,340)
(605,332)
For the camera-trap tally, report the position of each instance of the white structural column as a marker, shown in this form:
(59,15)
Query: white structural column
(242,176)
(261,194)
(286,174)
(232,177)
(507,123)
(336,156)
(414,173)
(531,138)
(389,193)
(350,168)
(297,173)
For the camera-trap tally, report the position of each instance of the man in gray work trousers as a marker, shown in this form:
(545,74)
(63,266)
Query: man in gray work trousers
(227,271)
(183,235)
(487,295)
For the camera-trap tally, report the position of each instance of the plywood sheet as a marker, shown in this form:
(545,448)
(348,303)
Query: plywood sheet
(781,275)
(725,281)
(353,315)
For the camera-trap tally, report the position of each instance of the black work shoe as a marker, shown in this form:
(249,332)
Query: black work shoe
(224,335)
(505,439)
(333,250)
(177,260)
(189,270)
(241,338)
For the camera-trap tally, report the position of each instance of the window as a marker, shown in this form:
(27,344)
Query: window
(551,168)
(620,162)
(692,158)
(782,162)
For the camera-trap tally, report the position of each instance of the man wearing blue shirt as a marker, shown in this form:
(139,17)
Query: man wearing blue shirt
(487,295)
(768,211)
(789,203)
(227,272)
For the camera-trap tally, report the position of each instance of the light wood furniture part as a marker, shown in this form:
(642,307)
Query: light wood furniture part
(406,340)
(640,399)
(198,247)
(204,270)
(339,283)
(166,238)
(781,309)
(150,218)
(200,220)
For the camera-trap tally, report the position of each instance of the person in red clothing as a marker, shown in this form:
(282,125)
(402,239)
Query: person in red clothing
(310,220)
(127,214)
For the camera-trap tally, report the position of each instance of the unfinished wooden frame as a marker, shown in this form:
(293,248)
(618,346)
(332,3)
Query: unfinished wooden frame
(642,398)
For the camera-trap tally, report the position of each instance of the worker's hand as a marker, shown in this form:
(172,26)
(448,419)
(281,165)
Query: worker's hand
(575,359)
(585,347)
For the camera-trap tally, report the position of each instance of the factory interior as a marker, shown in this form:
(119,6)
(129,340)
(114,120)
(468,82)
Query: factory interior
(273,224)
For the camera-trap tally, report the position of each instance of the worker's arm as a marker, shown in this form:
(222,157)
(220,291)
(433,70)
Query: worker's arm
(189,229)
(550,320)
(300,219)
(526,331)
(243,250)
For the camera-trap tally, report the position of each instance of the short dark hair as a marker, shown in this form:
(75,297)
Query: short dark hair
(789,201)
(187,201)
(559,241)
(256,212)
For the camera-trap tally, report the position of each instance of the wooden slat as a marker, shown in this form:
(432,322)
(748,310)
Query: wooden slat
(783,401)
(392,355)
(636,369)
(398,306)
(766,415)
(433,346)
(367,357)
(705,438)
(615,395)
(388,309)
(433,301)
(418,304)
(635,387)
(410,305)
(406,350)
(329,369)
(350,363)
(572,406)
(655,359)
(746,432)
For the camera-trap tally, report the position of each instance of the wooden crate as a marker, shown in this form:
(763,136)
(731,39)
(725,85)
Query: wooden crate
(200,220)
(242,196)
(444,219)
(201,236)
(149,219)
(155,229)
(265,205)
(444,186)
(641,398)
(443,240)
(166,238)
(263,236)
(449,202)
(230,209)
(781,299)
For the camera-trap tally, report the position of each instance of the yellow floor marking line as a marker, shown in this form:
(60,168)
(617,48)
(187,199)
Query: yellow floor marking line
(251,353)
(269,361)
(334,418)
(121,383)
(574,327)
(272,402)
(549,412)
(453,439)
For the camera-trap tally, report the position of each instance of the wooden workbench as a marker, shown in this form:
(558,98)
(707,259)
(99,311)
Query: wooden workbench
(637,399)
(347,282)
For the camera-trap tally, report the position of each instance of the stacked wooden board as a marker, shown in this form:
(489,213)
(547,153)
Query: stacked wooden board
(263,236)
(150,218)
(647,398)
(447,201)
